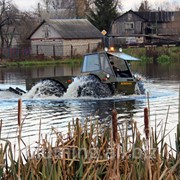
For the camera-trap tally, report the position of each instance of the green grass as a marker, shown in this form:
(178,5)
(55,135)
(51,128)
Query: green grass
(161,55)
(41,62)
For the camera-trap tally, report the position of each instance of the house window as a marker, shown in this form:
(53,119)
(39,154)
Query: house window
(46,31)
(129,25)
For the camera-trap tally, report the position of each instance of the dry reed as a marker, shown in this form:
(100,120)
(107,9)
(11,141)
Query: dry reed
(92,151)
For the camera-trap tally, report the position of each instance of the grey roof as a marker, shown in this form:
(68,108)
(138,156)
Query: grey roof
(157,16)
(74,28)
(124,56)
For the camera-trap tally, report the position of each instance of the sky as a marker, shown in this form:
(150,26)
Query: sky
(26,5)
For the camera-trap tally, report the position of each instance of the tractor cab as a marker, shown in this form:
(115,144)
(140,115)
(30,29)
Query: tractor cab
(113,63)
(111,68)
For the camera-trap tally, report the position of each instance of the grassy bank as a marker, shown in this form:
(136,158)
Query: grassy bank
(94,151)
(161,55)
(156,55)
(32,62)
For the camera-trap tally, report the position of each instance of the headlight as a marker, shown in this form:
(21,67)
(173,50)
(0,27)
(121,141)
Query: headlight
(120,49)
(106,49)
(107,76)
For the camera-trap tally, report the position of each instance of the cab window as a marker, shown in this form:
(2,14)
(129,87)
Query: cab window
(105,64)
(91,63)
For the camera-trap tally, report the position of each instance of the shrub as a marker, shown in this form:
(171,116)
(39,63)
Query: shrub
(164,59)
(145,59)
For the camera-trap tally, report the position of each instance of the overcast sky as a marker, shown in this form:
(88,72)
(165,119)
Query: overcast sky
(127,4)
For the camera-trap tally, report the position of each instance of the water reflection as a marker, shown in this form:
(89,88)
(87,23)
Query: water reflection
(15,75)
(162,83)
(19,74)
(82,108)
(161,72)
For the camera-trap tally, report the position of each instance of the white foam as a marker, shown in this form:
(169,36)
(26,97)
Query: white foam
(5,94)
(72,91)
(34,92)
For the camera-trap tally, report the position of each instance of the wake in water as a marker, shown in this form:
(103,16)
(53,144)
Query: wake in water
(40,89)
(44,89)
(83,86)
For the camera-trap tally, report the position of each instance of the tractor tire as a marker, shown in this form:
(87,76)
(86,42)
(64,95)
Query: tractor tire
(93,87)
(51,87)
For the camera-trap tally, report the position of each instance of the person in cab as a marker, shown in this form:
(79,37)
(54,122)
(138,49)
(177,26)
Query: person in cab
(117,71)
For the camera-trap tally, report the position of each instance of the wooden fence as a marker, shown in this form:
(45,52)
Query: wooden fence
(47,51)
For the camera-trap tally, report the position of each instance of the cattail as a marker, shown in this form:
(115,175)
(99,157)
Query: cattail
(19,111)
(19,136)
(146,122)
(114,124)
(165,151)
(0,127)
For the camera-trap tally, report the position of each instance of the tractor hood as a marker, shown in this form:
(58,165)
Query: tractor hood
(123,56)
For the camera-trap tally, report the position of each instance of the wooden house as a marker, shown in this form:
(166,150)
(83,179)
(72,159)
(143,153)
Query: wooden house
(65,37)
(145,27)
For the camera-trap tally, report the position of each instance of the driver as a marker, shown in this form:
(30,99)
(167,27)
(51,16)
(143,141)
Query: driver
(116,69)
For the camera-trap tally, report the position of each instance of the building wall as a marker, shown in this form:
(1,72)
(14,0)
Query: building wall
(80,46)
(47,47)
(63,48)
(47,42)
(176,24)
(45,32)
(171,27)
(130,27)
(127,24)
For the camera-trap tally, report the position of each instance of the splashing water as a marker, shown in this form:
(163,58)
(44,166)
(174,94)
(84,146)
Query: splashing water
(139,87)
(39,90)
(72,90)
(45,89)
(34,92)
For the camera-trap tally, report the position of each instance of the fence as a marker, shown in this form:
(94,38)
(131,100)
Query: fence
(56,51)
(60,51)
(15,52)
(47,51)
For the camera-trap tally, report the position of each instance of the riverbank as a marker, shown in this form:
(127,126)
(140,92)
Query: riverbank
(92,150)
(156,55)
(37,62)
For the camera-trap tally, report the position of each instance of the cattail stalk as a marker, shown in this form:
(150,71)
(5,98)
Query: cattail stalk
(114,125)
(147,134)
(0,127)
(178,130)
(19,136)
(146,123)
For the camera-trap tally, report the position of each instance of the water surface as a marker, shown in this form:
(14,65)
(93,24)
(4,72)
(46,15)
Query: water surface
(161,83)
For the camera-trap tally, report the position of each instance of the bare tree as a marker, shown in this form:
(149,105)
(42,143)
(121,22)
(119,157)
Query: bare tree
(24,24)
(145,6)
(167,6)
(56,9)
(64,8)
(6,19)
(14,25)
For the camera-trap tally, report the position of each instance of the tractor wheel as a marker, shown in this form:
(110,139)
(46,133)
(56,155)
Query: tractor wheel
(50,87)
(93,87)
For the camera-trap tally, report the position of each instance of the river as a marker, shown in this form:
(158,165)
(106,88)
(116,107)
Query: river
(161,83)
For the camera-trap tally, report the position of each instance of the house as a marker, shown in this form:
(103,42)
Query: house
(145,27)
(64,37)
